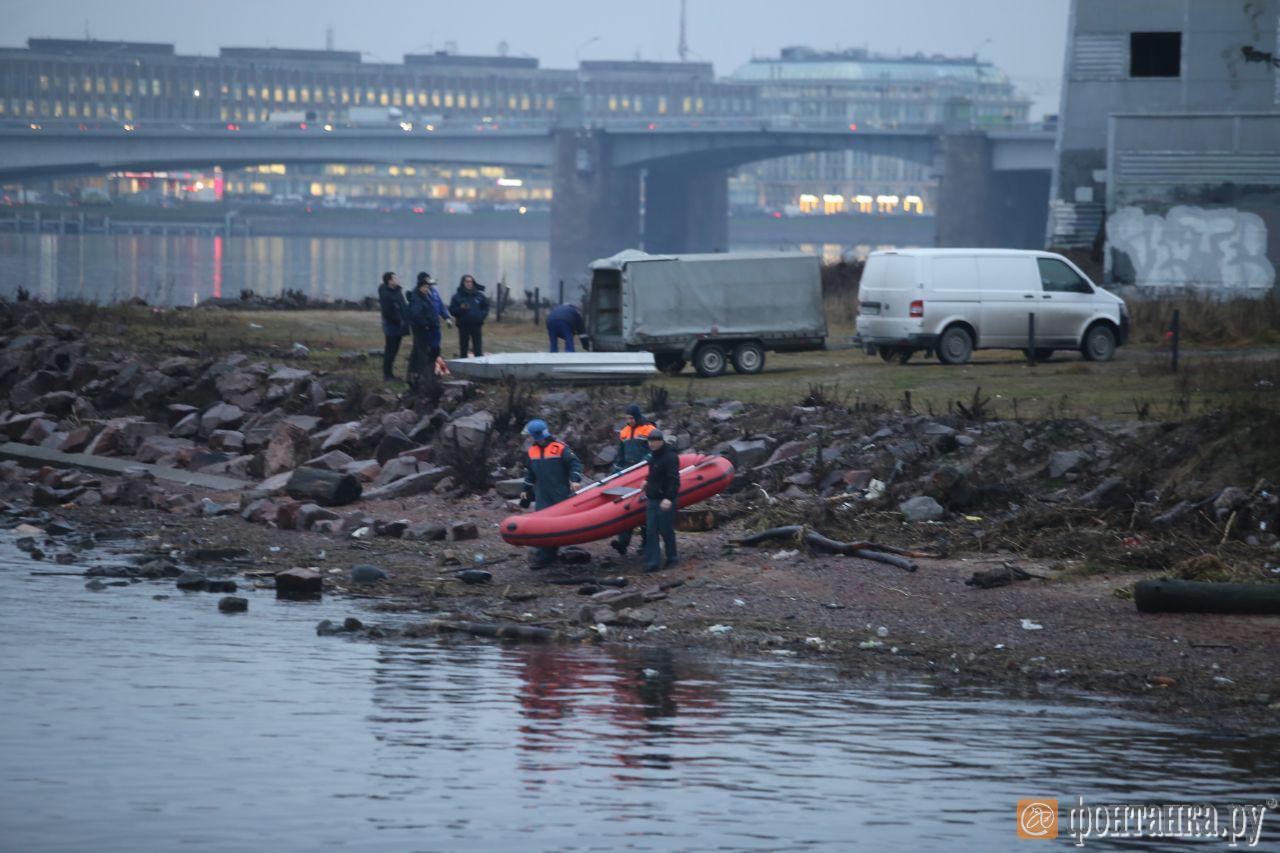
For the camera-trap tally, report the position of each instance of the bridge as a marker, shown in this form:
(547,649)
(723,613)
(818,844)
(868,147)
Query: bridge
(661,183)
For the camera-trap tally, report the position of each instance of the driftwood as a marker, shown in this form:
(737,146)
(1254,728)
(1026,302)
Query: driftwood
(1167,595)
(497,630)
(327,488)
(866,550)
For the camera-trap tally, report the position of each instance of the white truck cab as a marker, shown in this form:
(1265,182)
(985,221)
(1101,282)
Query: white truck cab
(953,301)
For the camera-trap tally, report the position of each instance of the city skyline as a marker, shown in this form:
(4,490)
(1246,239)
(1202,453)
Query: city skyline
(727,34)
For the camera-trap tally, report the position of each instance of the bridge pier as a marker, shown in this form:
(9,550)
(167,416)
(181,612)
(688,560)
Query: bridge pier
(595,208)
(984,208)
(686,210)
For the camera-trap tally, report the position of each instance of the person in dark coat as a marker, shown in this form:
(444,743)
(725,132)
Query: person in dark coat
(424,322)
(563,322)
(395,321)
(633,448)
(551,471)
(469,308)
(662,491)
(437,303)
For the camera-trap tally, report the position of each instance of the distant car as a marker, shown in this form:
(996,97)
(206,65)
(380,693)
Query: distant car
(954,301)
(458,207)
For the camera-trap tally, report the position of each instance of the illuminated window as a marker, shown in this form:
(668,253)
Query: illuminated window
(318,95)
(115,112)
(88,85)
(224,89)
(913,203)
(613,104)
(293,94)
(626,103)
(864,203)
(279,94)
(409,170)
(662,105)
(808,202)
(128,113)
(687,104)
(155,87)
(383,99)
(698,105)
(57,109)
(395,97)
(102,86)
(832,203)
(223,115)
(333,95)
(346,95)
(305,95)
(251,91)
(448,99)
(128,85)
(435,99)
(639,108)
(393,171)
(551,103)
(72,110)
(370,97)
(511,102)
(44,82)
(524,103)
(317,188)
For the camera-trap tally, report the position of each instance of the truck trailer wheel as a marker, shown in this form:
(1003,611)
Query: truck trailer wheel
(709,360)
(748,357)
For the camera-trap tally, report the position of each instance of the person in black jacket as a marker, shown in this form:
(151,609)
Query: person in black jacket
(424,322)
(469,308)
(395,321)
(661,490)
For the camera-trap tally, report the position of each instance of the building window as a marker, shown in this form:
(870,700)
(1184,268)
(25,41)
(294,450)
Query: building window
(1155,54)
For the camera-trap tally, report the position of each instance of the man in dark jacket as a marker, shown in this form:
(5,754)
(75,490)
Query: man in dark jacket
(563,322)
(424,321)
(469,308)
(662,490)
(395,321)
(551,471)
(633,448)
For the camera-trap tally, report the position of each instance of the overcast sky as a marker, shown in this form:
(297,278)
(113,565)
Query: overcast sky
(1024,37)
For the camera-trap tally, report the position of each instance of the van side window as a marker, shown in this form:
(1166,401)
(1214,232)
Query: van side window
(1057,277)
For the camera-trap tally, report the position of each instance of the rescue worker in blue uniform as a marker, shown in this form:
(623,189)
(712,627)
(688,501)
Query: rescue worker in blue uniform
(563,322)
(551,471)
(633,447)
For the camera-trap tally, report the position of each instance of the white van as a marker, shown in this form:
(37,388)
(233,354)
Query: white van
(953,301)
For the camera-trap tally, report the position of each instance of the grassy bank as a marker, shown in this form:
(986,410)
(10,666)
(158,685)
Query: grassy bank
(1137,384)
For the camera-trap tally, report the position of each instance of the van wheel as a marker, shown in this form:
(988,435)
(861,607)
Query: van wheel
(1042,353)
(709,360)
(1099,343)
(955,346)
(669,364)
(748,358)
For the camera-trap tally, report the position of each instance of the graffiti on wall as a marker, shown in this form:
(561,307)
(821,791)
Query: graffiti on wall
(1217,249)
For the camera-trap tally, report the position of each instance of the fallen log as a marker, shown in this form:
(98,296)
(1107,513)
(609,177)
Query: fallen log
(866,550)
(497,630)
(1168,595)
(327,488)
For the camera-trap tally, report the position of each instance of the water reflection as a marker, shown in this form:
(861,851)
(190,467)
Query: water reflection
(173,270)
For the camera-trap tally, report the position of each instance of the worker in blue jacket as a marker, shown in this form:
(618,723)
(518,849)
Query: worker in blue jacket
(426,313)
(469,308)
(563,322)
(551,471)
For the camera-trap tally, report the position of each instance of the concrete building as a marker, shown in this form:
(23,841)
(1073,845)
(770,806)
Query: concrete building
(868,90)
(1168,151)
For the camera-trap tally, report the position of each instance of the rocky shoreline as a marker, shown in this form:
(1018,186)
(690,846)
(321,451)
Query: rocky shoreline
(1036,529)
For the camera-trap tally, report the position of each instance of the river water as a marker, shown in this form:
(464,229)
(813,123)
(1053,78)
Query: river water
(173,270)
(134,724)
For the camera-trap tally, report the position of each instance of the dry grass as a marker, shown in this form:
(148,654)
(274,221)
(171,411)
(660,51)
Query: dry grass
(1215,323)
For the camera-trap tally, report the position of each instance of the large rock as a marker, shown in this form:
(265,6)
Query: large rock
(299,583)
(38,431)
(334,460)
(365,470)
(158,447)
(393,443)
(187,427)
(789,450)
(921,508)
(221,416)
(56,403)
(227,440)
(77,440)
(396,469)
(747,453)
(123,437)
(342,435)
(414,484)
(509,488)
(470,431)
(287,449)
(1063,462)
(425,531)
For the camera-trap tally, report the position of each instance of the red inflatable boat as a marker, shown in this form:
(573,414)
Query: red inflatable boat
(613,505)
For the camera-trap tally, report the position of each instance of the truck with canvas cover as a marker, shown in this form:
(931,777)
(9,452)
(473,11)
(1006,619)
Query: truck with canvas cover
(712,310)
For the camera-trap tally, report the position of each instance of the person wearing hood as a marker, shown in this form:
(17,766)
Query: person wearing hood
(426,311)
(469,308)
(563,322)
(551,471)
(395,322)
(633,448)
